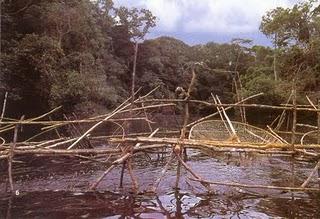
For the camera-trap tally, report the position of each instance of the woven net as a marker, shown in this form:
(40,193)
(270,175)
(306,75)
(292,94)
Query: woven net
(216,130)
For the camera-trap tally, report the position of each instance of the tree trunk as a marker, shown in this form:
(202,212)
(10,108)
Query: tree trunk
(275,58)
(134,71)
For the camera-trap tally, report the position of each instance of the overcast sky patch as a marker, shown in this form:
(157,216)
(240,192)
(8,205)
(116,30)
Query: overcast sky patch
(220,17)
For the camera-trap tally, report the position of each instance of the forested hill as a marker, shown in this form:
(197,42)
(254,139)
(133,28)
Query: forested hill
(79,54)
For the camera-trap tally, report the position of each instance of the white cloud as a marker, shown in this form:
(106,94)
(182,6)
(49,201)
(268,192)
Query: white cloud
(207,16)
(168,12)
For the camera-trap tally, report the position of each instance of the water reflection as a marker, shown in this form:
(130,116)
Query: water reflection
(36,176)
(177,204)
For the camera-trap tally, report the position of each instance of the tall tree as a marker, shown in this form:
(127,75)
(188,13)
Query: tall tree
(138,22)
(296,30)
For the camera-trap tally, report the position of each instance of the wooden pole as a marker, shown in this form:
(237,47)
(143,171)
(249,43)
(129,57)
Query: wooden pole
(305,183)
(10,157)
(179,147)
(213,114)
(319,136)
(319,122)
(122,174)
(11,154)
(257,186)
(4,106)
(294,114)
(294,125)
(221,116)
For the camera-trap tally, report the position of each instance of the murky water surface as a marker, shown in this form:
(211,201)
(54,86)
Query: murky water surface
(55,188)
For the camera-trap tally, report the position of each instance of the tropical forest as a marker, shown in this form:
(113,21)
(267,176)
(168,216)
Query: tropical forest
(100,118)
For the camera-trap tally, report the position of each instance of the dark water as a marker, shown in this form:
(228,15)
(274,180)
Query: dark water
(55,188)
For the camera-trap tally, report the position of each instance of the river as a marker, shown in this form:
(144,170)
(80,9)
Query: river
(56,188)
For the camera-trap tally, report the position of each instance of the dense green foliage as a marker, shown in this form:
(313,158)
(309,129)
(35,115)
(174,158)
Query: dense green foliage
(79,54)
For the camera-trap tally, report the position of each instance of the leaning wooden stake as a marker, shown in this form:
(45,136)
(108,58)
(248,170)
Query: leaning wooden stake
(227,108)
(117,110)
(114,164)
(4,106)
(305,183)
(11,154)
(319,136)
(234,133)
(179,148)
(134,180)
(221,116)
(119,161)
(206,185)
(283,114)
(319,122)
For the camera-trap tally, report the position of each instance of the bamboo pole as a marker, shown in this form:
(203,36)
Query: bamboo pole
(241,98)
(50,152)
(257,186)
(278,137)
(212,143)
(118,109)
(3,141)
(4,106)
(206,185)
(311,103)
(319,136)
(229,122)
(305,183)
(107,117)
(282,116)
(79,152)
(221,116)
(319,122)
(146,115)
(57,123)
(55,129)
(238,104)
(9,127)
(119,161)
(212,115)
(134,180)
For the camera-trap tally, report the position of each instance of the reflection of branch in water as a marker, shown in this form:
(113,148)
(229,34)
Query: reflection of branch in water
(229,206)
(8,215)
(177,202)
(163,210)
(178,196)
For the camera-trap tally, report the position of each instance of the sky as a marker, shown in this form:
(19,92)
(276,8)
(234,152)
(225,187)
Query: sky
(201,21)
